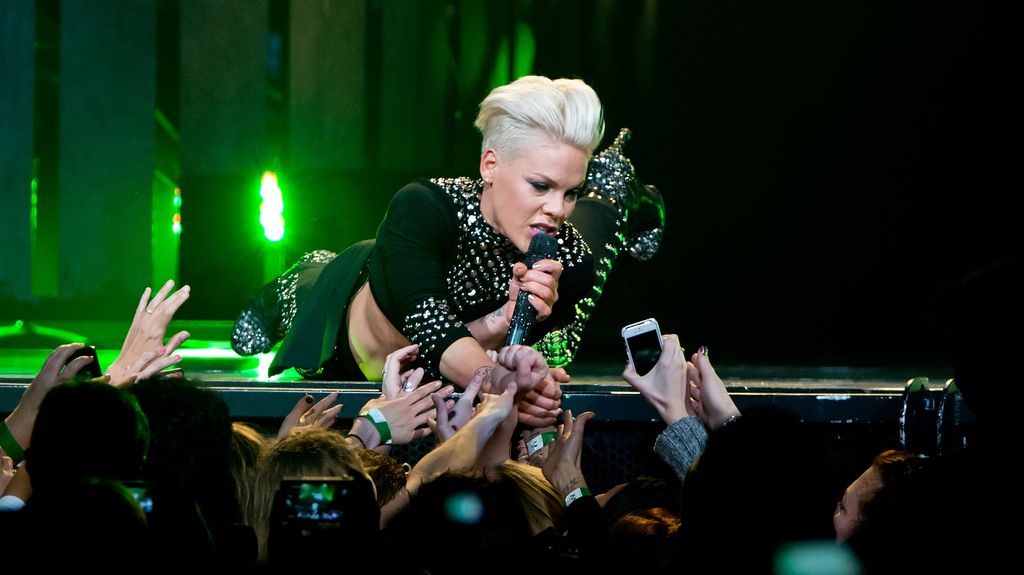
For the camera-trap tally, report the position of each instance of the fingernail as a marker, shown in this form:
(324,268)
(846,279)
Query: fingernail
(177,358)
(308,398)
(161,350)
(703,350)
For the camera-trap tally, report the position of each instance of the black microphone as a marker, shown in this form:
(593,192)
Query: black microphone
(542,247)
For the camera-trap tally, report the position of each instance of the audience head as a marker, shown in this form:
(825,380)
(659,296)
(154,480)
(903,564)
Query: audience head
(539,499)
(90,523)
(247,448)
(308,451)
(879,487)
(85,429)
(761,482)
(485,517)
(190,449)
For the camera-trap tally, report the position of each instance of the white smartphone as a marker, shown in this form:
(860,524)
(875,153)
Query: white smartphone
(643,344)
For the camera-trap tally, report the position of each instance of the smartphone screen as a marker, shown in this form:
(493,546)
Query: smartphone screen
(316,501)
(311,513)
(643,344)
(324,501)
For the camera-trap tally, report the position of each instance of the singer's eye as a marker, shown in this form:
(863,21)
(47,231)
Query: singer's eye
(540,186)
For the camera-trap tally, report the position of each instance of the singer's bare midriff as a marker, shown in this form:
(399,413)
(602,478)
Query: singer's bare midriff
(371,337)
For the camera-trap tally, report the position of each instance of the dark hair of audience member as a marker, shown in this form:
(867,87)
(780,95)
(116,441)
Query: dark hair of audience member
(85,429)
(388,474)
(190,448)
(762,481)
(89,523)
(904,502)
(485,517)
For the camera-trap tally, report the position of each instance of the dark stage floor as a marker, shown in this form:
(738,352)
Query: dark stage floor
(859,410)
(819,394)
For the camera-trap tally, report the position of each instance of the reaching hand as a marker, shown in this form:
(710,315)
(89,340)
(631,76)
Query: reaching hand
(406,416)
(562,465)
(445,425)
(665,386)
(711,401)
(53,373)
(527,368)
(398,382)
(143,353)
(323,414)
(494,409)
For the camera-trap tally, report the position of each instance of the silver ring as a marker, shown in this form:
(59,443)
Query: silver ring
(149,310)
(384,372)
(407,385)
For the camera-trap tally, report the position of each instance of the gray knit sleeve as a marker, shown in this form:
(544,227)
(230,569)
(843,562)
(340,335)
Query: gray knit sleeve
(681,444)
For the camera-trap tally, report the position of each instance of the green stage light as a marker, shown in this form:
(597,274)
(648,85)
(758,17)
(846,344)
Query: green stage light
(176,218)
(272,207)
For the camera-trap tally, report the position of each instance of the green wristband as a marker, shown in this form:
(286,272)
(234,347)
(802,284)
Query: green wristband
(10,445)
(537,442)
(576,494)
(381,423)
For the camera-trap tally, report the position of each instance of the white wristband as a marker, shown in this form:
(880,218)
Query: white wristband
(576,494)
(537,442)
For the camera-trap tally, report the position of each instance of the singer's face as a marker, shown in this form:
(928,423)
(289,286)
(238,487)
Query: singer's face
(532,192)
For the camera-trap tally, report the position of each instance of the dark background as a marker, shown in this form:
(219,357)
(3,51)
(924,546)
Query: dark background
(829,168)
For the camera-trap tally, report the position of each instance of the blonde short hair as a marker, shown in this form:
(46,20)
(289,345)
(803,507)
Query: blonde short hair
(566,110)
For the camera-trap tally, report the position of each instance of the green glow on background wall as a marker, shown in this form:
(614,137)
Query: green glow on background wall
(165,228)
(506,70)
(33,215)
(271,208)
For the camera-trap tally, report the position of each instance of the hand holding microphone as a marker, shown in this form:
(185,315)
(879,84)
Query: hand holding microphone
(538,287)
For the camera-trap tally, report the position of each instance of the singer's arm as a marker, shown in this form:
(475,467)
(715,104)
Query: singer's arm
(491,329)
(463,358)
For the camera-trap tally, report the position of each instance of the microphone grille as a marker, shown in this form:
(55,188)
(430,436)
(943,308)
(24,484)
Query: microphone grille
(542,247)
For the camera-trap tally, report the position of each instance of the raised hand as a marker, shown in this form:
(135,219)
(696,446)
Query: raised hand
(398,381)
(406,416)
(562,465)
(665,386)
(53,373)
(445,425)
(144,353)
(711,401)
(527,368)
(323,413)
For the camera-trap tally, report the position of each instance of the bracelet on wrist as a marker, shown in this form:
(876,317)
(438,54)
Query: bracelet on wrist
(357,438)
(729,421)
(380,422)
